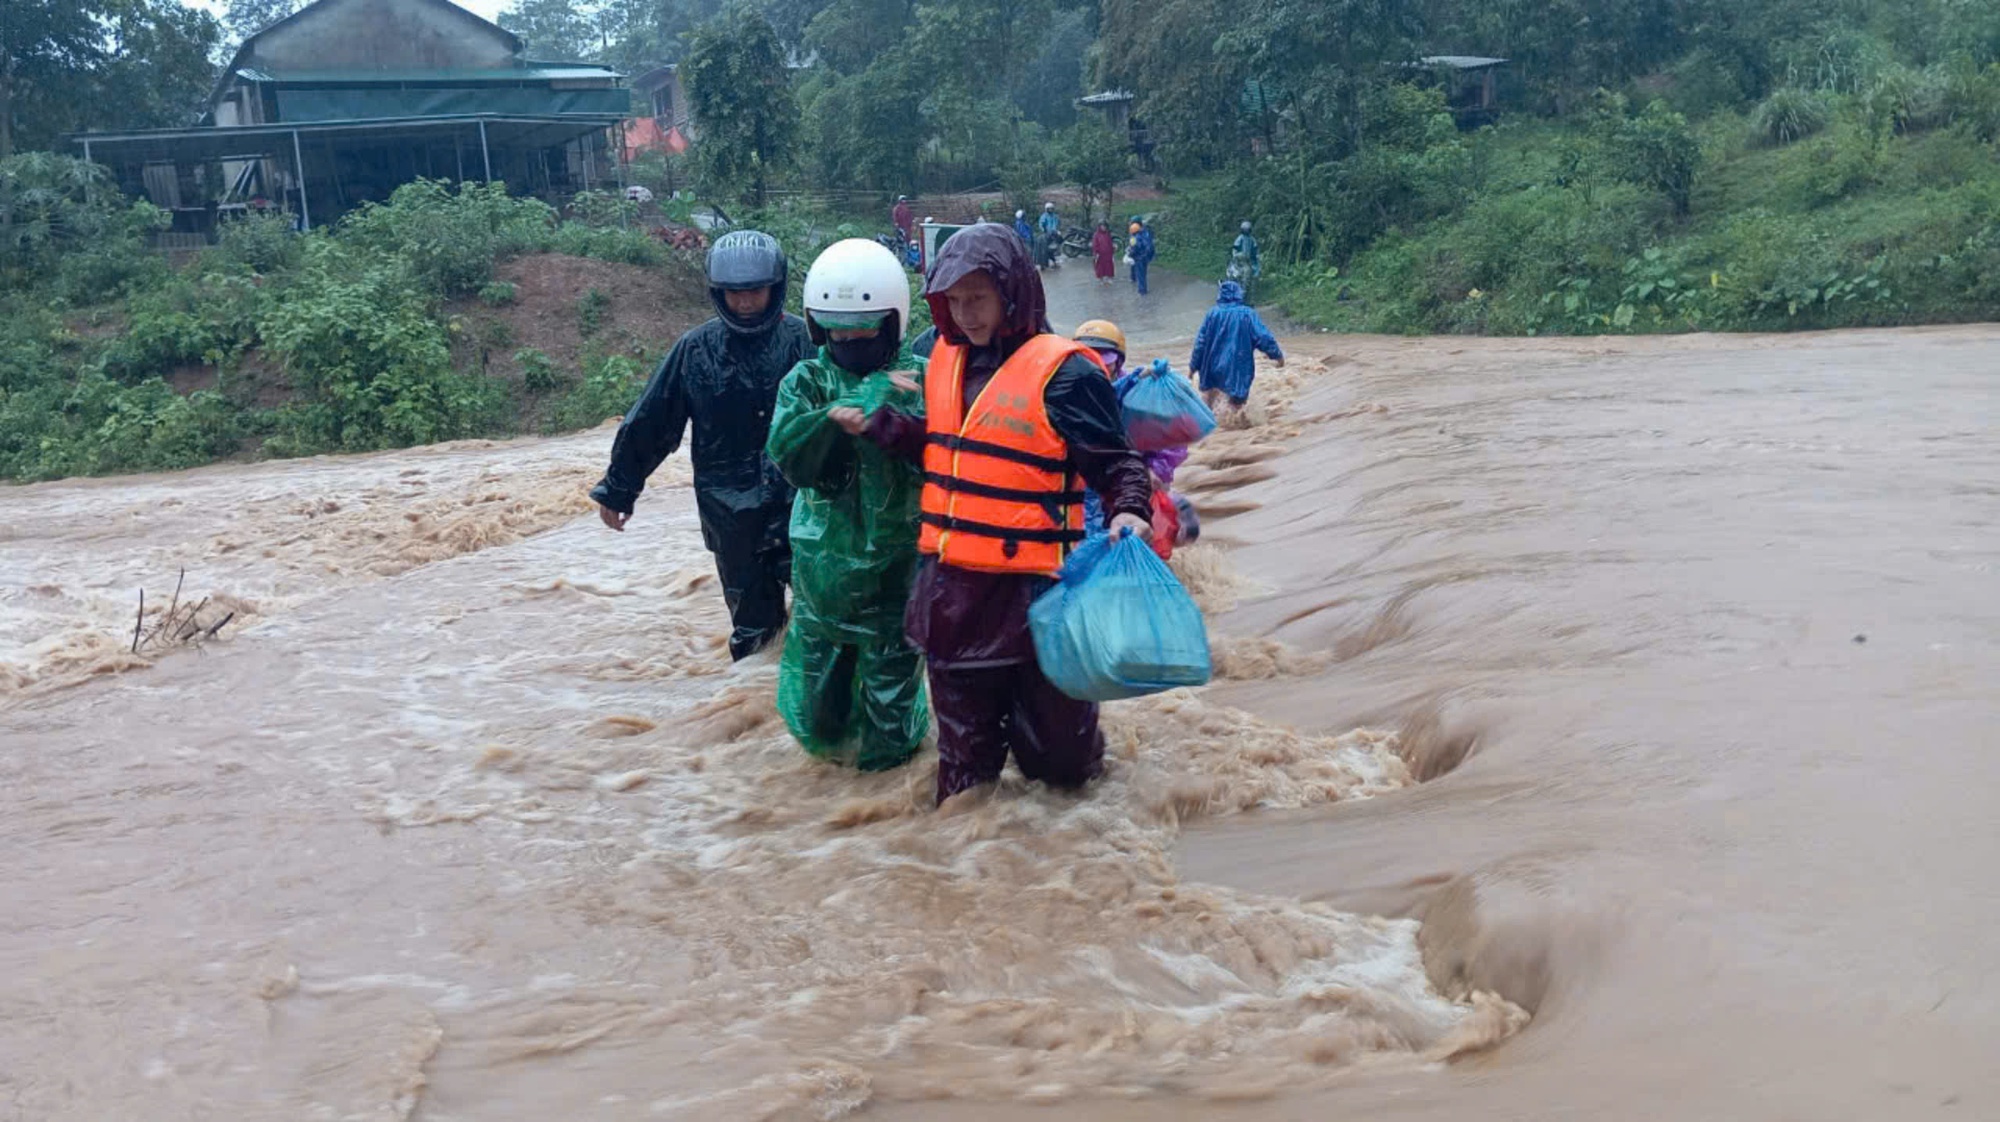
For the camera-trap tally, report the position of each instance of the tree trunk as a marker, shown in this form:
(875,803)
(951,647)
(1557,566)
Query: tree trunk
(6,103)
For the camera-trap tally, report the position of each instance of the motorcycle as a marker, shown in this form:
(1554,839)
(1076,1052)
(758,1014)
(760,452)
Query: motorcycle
(907,252)
(1076,242)
(1242,272)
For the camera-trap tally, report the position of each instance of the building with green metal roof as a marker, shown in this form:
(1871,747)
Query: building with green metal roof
(345,100)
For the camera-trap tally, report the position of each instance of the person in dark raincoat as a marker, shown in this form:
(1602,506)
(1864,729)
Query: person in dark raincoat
(723,378)
(998,519)
(849,688)
(1225,348)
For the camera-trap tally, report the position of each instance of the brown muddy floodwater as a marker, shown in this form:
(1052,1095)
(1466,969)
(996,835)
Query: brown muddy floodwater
(471,818)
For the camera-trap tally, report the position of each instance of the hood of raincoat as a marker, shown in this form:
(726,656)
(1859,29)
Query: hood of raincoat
(994,250)
(1232,293)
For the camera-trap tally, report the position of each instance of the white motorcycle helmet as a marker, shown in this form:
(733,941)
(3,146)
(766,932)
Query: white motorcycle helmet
(857,284)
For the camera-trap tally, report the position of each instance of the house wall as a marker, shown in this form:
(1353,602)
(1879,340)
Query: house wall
(381,35)
(668,101)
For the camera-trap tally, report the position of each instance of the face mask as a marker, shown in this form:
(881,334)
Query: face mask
(864,356)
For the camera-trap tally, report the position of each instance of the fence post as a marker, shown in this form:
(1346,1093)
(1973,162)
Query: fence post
(299,165)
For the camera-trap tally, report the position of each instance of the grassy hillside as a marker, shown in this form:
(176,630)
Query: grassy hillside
(1840,218)
(439,316)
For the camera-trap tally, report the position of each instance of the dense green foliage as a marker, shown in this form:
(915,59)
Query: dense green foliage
(96,331)
(1551,232)
(1659,165)
(1662,165)
(741,94)
(68,65)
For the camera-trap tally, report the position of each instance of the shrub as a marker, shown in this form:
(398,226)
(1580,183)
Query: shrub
(62,217)
(1972,99)
(371,366)
(1903,100)
(91,424)
(1659,150)
(538,370)
(262,243)
(450,238)
(1789,115)
(602,208)
(590,309)
(627,247)
(209,318)
(497,333)
(609,387)
(497,294)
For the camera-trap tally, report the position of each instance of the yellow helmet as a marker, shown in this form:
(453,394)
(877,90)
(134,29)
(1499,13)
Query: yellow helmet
(1102,335)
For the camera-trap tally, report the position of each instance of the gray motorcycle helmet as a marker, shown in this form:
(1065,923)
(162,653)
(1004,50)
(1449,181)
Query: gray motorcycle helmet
(744,259)
(1246,227)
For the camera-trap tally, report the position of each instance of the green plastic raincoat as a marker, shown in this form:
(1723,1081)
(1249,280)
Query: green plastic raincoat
(849,687)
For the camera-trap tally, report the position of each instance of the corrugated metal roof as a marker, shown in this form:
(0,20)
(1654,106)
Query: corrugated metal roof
(538,72)
(1461,62)
(252,140)
(1109,97)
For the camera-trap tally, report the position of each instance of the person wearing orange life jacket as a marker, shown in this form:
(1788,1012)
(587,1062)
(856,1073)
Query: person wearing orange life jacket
(1018,421)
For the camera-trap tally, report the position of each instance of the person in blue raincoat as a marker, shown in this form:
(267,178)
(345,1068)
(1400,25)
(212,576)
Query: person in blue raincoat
(1140,253)
(1026,232)
(1224,361)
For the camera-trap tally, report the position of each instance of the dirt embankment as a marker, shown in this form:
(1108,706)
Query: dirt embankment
(575,308)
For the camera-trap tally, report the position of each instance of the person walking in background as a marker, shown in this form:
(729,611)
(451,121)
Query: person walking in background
(723,378)
(903,218)
(1141,253)
(1049,226)
(1245,264)
(1105,252)
(1024,231)
(1225,359)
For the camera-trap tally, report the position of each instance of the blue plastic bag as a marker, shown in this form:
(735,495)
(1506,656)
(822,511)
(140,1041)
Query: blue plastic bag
(1118,624)
(1161,410)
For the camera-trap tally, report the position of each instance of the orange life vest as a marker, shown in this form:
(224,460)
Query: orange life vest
(999,492)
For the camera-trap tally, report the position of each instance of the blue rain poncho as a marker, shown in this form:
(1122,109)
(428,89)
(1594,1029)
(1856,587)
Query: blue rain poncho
(1224,349)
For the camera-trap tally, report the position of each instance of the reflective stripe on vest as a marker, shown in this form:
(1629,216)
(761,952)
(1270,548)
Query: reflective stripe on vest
(999,493)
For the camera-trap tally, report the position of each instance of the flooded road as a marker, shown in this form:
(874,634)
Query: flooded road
(473,818)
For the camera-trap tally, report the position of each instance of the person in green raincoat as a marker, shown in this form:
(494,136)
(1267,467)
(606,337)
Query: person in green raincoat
(849,687)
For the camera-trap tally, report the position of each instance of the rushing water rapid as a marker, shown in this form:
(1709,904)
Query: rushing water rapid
(468,815)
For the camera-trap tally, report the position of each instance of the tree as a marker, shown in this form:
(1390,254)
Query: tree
(44,48)
(245,18)
(869,129)
(1189,92)
(1655,148)
(1053,79)
(741,97)
(979,47)
(848,35)
(99,63)
(1095,160)
(552,29)
(1324,57)
(157,71)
